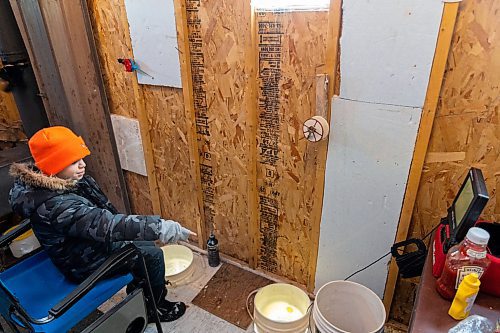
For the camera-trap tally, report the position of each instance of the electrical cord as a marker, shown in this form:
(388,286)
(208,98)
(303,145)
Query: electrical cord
(411,261)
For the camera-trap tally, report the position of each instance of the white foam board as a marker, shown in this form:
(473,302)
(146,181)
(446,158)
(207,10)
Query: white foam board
(369,155)
(154,41)
(387,48)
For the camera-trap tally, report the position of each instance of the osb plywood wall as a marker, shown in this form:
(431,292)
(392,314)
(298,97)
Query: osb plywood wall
(235,158)
(466,129)
(167,122)
(291,51)
(219,32)
(10,124)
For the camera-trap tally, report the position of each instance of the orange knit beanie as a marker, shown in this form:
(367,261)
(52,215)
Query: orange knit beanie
(55,148)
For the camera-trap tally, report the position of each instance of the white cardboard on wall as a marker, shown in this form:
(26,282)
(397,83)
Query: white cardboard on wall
(369,155)
(154,41)
(387,48)
(129,144)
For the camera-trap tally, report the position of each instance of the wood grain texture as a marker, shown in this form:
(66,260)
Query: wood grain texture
(286,175)
(217,37)
(332,81)
(466,120)
(103,33)
(426,122)
(164,117)
(224,90)
(11,127)
(138,188)
(112,40)
(181,15)
(169,137)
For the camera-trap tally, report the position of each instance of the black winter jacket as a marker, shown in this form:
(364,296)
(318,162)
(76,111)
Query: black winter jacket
(74,221)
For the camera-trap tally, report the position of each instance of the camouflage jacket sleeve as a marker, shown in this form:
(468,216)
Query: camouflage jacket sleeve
(78,219)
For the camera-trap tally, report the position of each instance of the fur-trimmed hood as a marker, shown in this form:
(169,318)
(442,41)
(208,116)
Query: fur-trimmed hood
(29,175)
(32,188)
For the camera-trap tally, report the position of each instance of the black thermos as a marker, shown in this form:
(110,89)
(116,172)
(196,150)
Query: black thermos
(213,251)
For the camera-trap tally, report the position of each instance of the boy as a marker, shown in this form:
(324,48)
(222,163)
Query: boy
(74,220)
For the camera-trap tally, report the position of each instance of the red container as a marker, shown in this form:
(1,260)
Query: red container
(490,281)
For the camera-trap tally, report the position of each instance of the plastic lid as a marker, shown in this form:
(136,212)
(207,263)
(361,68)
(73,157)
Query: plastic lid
(478,236)
(21,237)
(472,280)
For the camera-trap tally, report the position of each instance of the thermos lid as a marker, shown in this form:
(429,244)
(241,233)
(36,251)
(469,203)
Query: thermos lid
(478,236)
(212,240)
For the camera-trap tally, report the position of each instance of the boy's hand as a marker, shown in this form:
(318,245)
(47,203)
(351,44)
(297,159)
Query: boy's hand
(172,232)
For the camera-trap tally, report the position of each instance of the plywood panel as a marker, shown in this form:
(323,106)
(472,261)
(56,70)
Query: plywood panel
(225,110)
(467,125)
(111,35)
(169,135)
(166,119)
(138,189)
(11,129)
(291,47)
(218,32)
(467,119)
(112,40)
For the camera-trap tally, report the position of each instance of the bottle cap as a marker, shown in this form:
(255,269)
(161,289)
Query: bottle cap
(472,279)
(478,236)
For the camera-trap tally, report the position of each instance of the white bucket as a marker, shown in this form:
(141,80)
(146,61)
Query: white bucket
(178,263)
(345,306)
(23,244)
(279,308)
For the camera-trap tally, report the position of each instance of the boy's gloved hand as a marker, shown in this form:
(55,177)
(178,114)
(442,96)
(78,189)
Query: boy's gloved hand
(172,232)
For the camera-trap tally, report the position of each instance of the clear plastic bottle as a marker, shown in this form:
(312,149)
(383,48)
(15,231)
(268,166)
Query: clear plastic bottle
(465,297)
(469,256)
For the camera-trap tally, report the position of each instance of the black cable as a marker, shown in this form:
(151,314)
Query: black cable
(362,269)
(385,255)
(430,232)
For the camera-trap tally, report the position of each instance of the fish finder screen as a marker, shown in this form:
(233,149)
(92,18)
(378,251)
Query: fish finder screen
(463,201)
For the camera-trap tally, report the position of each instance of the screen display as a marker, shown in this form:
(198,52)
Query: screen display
(463,201)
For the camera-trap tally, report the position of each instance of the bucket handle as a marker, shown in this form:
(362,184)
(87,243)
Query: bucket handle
(310,310)
(248,300)
(203,263)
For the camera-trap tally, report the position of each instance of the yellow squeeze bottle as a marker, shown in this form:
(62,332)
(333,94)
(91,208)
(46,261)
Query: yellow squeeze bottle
(465,297)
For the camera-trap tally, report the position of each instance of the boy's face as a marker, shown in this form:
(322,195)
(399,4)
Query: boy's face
(75,171)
